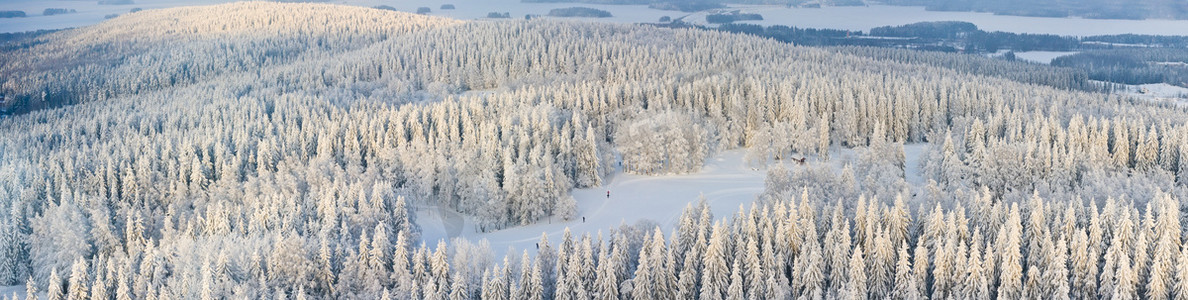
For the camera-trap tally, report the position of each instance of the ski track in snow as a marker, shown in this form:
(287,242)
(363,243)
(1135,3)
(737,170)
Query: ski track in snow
(725,181)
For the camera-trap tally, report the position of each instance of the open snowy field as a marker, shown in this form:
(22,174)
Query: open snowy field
(861,18)
(1043,57)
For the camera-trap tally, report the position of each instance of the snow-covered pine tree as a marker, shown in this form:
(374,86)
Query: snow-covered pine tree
(492,287)
(689,277)
(54,291)
(1181,292)
(30,289)
(1055,274)
(715,276)
(976,284)
(123,288)
(921,269)
(837,251)
(1010,278)
(856,284)
(1084,267)
(943,269)
(78,287)
(753,270)
(459,288)
(1161,281)
(534,288)
(606,285)
(735,290)
(808,272)
(906,284)
(99,287)
(881,266)
(823,137)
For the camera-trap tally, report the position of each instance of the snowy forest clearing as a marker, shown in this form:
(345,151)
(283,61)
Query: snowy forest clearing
(1157,92)
(1043,57)
(725,181)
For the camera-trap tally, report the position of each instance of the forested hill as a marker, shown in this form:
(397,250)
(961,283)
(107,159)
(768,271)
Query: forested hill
(284,158)
(157,49)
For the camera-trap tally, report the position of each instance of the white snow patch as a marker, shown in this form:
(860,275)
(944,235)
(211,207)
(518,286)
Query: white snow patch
(1043,57)
(9,291)
(913,153)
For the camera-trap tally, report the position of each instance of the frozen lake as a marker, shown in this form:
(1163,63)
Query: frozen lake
(866,17)
(847,18)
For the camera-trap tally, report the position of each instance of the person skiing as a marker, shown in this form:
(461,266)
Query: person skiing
(608,193)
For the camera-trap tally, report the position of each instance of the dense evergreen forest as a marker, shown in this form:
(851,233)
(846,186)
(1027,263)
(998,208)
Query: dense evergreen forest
(1124,59)
(1132,65)
(278,150)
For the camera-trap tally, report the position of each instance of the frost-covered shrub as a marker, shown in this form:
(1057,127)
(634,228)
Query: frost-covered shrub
(567,208)
(663,143)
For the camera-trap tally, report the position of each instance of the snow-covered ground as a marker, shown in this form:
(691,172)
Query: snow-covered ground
(847,18)
(726,182)
(1158,92)
(10,291)
(1043,57)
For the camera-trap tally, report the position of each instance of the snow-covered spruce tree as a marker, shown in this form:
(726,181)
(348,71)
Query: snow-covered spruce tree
(715,278)
(1181,291)
(906,284)
(78,285)
(856,284)
(54,291)
(1008,243)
